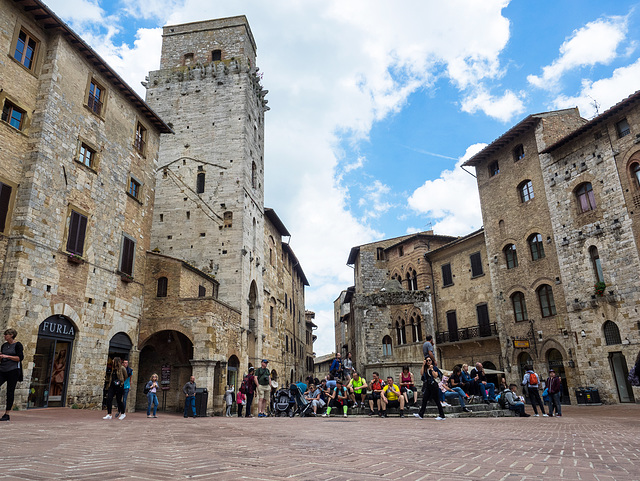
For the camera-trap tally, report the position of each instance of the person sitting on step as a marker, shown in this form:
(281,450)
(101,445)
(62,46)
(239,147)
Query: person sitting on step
(391,397)
(512,401)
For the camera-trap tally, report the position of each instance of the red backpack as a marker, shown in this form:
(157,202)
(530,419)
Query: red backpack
(533,378)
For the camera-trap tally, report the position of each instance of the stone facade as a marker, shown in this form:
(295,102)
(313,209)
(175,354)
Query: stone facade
(598,242)
(82,156)
(461,301)
(77,197)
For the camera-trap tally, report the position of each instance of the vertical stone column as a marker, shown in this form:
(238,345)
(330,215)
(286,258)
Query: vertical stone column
(204,372)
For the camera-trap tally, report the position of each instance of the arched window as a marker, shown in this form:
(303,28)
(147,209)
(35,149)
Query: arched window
(595,263)
(162,287)
(200,183)
(519,306)
(586,198)
(409,284)
(518,153)
(611,333)
(511,256)
(536,246)
(386,346)
(414,280)
(525,189)
(547,304)
(635,172)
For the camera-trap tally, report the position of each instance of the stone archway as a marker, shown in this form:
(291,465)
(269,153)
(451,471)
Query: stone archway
(167,354)
(555,361)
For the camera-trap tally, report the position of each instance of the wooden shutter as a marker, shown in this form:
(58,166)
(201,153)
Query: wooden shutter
(77,231)
(5,197)
(483,320)
(128,250)
(447,279)
(476,265)
(452,324)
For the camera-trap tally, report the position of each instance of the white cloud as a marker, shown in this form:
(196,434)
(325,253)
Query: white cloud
(452,199)
(606,92)
(375,199)
(502,108)
(595,43)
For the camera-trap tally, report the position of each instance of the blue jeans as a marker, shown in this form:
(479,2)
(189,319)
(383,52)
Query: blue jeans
(554,401)
(124,398)
(518,408)
(190,401)
(152,399)
(492,391)
(456,392)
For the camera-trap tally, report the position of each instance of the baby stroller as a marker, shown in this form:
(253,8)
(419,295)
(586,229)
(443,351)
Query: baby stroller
(303,407)
(283,403)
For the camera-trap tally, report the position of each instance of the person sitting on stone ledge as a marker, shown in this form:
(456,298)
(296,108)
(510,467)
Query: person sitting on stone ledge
(314,396)
(480,377)
(512,401)
(391,397)
(455,381)
(407,385)
(376,387)
(447,392)
(469,384)
(357,388)
(338,399)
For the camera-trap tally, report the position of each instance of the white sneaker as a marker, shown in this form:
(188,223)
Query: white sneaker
(440,419)
(545,415)
(445,404)
(122,416)
(536,415)
(108,416)
(324,415)
(417,415)
(345,415)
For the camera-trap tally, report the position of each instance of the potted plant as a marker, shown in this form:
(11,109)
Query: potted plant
(600,287)
(75,258)
(126,277)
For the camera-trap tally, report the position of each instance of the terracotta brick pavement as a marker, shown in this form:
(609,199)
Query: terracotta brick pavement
(599,443)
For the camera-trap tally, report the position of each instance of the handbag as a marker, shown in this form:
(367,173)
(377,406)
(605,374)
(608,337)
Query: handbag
(20,373)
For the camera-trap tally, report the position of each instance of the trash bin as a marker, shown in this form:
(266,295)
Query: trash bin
(202,397)
(580,396)
(592,395)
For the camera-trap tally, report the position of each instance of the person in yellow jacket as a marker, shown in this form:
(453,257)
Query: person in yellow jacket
(391,397)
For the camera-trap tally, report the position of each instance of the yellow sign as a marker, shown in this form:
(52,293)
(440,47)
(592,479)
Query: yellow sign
(520,343)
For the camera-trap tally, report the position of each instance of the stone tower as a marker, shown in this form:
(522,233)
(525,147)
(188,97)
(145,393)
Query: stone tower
(209,204)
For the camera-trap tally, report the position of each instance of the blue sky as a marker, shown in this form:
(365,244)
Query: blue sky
(374,105)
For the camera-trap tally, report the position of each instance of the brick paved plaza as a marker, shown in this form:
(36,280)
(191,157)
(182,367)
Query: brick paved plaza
(588,443)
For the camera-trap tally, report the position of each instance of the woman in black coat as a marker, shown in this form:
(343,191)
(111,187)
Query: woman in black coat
(12,354)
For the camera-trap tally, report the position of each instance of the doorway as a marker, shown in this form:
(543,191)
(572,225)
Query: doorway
(119,346)
(620,376)
(51,363)
(555,362)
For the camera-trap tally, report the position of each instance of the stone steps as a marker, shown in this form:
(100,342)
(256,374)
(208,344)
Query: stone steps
(477,411)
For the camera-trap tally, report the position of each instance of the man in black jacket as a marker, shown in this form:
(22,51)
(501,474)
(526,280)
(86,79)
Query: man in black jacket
(480,377)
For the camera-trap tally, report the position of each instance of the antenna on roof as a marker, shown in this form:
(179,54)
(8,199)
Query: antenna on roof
(595,105)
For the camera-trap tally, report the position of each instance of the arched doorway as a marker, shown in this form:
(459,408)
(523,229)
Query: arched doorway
(524,362)
(555,362)
(51,363)
(167,354)
(119,346)
(233,366)
(491,376)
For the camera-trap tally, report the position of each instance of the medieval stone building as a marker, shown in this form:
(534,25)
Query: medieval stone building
(91,268)
(552,278)
(78,150)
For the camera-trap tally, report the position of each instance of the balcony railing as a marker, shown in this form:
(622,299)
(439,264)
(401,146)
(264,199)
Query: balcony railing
(467,333)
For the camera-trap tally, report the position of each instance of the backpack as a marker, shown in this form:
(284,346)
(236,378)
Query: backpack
(633,378)
(147,388)
(502,401)
(243,387)
(533,378)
